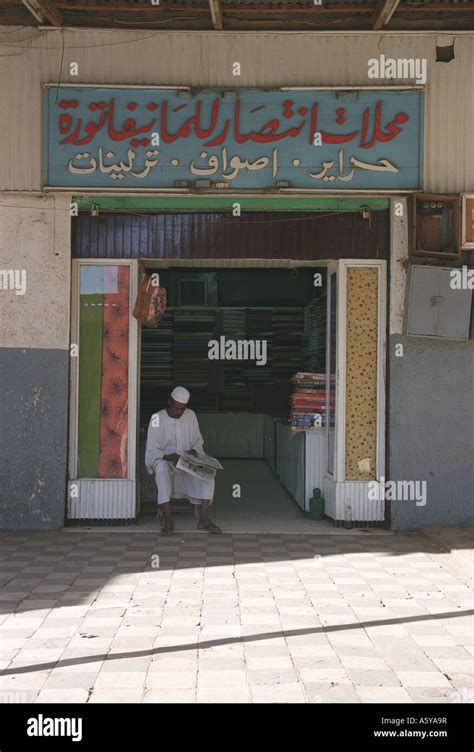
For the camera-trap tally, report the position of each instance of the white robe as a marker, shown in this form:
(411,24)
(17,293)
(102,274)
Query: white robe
(178,435)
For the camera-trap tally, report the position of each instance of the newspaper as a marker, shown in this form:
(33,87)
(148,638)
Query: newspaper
(200,466)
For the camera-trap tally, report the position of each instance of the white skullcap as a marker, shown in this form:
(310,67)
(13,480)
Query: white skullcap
(180,394)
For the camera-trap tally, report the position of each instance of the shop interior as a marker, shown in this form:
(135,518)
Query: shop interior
(255,413)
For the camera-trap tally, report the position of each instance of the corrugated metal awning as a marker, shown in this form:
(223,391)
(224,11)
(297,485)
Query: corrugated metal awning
(253,235)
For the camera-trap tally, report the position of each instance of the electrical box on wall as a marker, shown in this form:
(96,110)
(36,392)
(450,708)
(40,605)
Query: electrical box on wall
(436,229)
(467,239)
(437,307)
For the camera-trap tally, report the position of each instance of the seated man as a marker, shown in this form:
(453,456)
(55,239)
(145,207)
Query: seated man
(171,431)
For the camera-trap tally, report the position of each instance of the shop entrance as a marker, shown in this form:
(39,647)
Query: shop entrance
(250,345)
(279,432)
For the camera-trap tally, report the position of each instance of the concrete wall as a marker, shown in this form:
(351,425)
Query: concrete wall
(268,59)
(430,414)
(431,419)
(33,440)
(34,239)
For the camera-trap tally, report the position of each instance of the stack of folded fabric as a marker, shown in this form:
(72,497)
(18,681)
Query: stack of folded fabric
(308,401)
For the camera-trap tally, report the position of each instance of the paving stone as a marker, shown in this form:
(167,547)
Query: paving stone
(175,679)
(219,679)
(463,681)
(75,680)
(315,675)
(317,662)
(222,663)
(23,681)
(373,678)
(278,693)
(338,694)
(167,663)
(422,679)
(364,663)
(115,696)
(390,695)
(434,694)
(231,694)
(170,695)
(55,696)
(126,679)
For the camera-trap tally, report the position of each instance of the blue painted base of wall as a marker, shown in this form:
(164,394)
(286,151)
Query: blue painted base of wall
(33,438)
(431,419)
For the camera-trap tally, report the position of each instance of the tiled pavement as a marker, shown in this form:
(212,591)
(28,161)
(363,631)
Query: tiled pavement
(95,617)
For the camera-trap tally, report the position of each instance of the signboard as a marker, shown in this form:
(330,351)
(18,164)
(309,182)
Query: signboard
(247,139)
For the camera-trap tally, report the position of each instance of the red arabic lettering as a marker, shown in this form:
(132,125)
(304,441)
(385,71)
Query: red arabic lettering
(328,138)
(128,130)
(215,134)
(129,127)
(268,131)
(66,103)
(378,134)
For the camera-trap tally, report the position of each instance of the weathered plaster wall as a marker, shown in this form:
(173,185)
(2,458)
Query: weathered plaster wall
(34,341)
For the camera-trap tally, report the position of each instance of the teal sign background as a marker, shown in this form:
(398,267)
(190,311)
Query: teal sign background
(248,139)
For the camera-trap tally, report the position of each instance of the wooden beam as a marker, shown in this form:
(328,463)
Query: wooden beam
(44,10)
(383,13)
(451,9)
(275,11)
(181,9)
(216,13)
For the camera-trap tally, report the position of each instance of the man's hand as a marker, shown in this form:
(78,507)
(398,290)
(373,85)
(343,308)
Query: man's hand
(172,458)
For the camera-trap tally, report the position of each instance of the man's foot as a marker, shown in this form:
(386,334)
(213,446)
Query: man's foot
(167,528)
(209,526)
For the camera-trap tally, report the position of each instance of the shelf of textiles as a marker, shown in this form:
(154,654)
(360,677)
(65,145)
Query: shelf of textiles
(288,343)
(177,353)
(193,328)
(233,389)
(315,329)
(157,353)
(259,327)
(308,401)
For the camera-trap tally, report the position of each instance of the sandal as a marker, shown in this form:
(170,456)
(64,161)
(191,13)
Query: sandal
(167,529)
(211,528)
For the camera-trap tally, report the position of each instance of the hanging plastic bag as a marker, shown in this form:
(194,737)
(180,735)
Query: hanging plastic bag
(150,304)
